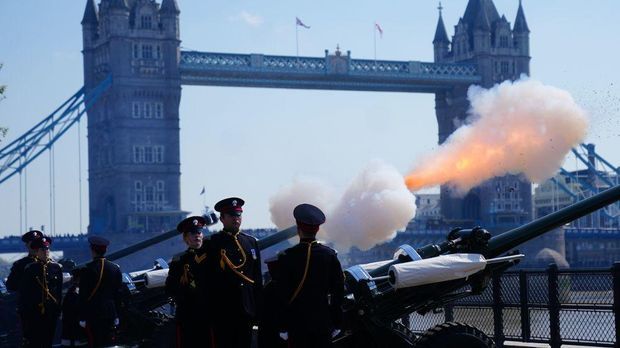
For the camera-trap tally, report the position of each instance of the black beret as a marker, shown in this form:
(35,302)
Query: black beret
(192,224)
(43,242)
(308,214)
(31,235)
(230,206)
(98,241)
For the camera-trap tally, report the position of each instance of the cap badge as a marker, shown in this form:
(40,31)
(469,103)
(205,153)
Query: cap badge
(195,222)
(234,203)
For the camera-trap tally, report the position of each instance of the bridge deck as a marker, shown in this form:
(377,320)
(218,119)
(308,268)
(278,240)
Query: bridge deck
(332,72)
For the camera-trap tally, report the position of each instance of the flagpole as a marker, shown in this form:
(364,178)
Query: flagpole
(296,39)
(374,30)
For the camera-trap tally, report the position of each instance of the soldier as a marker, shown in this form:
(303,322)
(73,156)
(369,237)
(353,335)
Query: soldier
(40,292)
(99,297)
(12,282)
(312,284)
(271,316)
(236,280)
(187,285)
(72,335)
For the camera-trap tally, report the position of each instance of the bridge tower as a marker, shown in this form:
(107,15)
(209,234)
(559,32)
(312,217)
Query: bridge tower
(484,38)
(133,148)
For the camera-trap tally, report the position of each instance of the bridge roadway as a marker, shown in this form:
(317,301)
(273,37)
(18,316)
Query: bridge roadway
(332,72)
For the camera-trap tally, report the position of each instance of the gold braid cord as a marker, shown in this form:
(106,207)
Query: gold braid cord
(225,261)
(98,281)
(303,279)
(186,274)
(45,294)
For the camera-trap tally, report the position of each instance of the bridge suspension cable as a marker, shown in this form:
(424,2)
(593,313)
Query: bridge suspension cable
(18,154)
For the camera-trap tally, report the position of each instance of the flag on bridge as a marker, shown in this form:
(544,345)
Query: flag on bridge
(300,23)
(379,29)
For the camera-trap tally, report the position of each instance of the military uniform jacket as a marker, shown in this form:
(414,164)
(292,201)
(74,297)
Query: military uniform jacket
(236,285)
(187,283)
(17,270)
(100,285)
(40,288)
(317,305)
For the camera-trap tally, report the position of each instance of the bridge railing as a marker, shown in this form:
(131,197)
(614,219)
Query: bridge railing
(552,306)
(212,61)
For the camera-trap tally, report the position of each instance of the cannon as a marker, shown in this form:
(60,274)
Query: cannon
(376,297)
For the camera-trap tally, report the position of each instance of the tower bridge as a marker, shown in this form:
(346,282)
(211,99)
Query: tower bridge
(134,69)
(134,161)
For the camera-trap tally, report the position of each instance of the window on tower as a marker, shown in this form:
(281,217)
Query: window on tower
(147,110)
(147,51)
(505,67)
(503,41)
(148,154)
(146,22)
(135,110)
(159,110)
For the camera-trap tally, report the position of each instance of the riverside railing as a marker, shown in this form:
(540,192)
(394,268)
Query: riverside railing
(574,306)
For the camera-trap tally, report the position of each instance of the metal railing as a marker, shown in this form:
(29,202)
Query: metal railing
(541,306)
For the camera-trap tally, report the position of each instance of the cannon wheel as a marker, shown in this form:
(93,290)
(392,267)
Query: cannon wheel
(453,335)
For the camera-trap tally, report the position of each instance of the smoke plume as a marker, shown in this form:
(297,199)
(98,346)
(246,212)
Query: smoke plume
(521,127)
(370,211)
(301,190)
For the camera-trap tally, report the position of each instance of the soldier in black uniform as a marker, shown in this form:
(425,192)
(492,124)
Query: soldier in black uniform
(187,285)
(312,284)
(235,278)
(17,270)
(271,315)
(72,334)
(99,297)
(12,282)
(40,292)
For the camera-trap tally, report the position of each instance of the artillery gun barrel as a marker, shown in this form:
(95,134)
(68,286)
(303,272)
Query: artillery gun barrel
(263,243)
(510,239)
(277,237)
(141,245)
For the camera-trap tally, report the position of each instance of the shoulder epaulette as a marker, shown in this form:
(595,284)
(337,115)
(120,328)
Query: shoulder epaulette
(248,235)
(177,256)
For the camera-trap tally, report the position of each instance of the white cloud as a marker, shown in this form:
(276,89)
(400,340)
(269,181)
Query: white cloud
(248,18)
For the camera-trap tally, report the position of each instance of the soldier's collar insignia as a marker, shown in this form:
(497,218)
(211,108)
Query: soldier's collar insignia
(200,258)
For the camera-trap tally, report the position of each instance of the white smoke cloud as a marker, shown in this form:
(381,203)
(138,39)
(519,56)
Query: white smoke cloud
(515,127)
(374,206)
(301,190)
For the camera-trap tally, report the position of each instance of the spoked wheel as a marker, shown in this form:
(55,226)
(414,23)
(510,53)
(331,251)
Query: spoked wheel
(454,335)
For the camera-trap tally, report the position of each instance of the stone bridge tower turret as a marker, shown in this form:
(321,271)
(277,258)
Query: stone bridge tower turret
(484,38)
(133,131)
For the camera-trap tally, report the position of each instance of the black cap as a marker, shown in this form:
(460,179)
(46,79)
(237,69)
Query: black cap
(32,235)
(231,206)
(192,224)
(98,241)
(308,214)
(41,243)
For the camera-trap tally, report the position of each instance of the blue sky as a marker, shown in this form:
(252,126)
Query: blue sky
(257,140)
